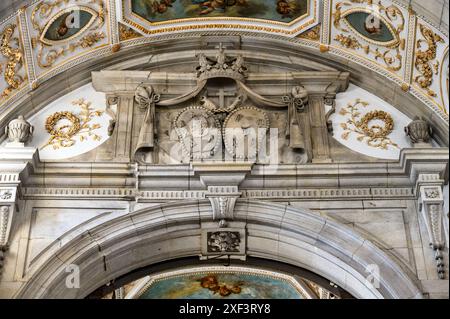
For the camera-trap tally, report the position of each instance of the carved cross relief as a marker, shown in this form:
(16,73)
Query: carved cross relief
(229,115)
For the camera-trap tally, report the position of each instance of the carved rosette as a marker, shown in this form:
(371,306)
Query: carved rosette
(223,242)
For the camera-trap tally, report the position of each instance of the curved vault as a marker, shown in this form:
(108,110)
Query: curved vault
(112,245)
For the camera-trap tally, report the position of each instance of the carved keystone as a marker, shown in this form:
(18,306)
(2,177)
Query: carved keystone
(222,180)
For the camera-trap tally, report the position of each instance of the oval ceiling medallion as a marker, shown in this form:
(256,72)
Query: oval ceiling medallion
(68,24)
(371,27)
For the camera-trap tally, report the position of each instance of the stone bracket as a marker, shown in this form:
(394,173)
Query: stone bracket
(222,180)
(429,190)
(223,199)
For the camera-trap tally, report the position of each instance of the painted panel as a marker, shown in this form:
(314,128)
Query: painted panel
(164,10)
(218,285)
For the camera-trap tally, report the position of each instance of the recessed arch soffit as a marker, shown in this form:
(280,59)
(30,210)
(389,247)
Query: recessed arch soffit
(48,37)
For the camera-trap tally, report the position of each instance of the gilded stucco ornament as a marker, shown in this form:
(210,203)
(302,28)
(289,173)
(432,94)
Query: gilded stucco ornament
(19,131)
(66,127)
(127,33)
(424,59)
(375,135)
(312,34)
(10,49)
(67,30)
(377,27)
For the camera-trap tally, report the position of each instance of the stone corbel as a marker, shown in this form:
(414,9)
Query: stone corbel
(222,181)
(223,199)
(429,190)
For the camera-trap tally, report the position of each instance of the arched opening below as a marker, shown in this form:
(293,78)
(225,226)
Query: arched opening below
(303,275)
(118,244)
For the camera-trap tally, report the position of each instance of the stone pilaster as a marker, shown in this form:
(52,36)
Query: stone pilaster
(13,163)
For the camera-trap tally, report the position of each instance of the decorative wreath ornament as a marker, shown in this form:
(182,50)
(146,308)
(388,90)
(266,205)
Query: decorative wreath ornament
(375,135)
(64,135)
(376,131)
(65,131)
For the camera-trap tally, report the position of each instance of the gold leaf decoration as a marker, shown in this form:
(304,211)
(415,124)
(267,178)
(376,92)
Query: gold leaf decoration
(49,52)
(313,34)
(376,136)
(64,135)
(127,33)
(14,58)
(425,57)
(390,53)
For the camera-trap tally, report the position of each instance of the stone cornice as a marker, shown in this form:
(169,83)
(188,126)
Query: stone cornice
(118,180)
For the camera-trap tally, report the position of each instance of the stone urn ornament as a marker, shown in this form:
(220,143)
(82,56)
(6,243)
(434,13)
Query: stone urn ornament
(19,131)
(419,132)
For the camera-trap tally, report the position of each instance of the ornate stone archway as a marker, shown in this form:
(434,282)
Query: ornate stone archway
(112,245)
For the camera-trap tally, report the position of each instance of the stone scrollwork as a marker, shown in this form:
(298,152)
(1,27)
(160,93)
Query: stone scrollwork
(375,135)
(10,49)
(59,31)
(77,126)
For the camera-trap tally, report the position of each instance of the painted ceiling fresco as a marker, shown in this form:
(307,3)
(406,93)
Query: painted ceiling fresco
(275,10)
(221,285)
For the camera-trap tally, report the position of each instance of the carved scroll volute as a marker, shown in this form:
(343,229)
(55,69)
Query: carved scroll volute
(297,102)
(146,99)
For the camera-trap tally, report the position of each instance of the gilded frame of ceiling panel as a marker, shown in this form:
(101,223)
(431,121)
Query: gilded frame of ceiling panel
(292,28)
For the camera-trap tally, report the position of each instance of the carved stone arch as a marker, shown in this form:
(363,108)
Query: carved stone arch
(115,244)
